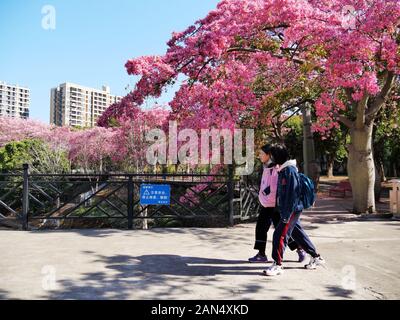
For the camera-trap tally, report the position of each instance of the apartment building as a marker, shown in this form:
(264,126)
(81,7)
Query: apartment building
(78,106)
(14,101)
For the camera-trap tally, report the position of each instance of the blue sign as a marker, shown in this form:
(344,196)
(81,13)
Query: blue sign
(155,194)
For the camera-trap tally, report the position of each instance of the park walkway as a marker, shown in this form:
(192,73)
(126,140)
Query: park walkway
(362,262)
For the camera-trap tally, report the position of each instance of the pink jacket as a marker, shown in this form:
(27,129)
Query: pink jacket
(269,178)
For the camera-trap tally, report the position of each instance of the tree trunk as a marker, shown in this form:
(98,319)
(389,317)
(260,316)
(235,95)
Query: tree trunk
(311,165)
(361,169)
(395,169)
(145,225)
(329,165)
(378,184)
(382,172)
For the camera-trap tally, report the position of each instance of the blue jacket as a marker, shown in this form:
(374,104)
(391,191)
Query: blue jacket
(288,194)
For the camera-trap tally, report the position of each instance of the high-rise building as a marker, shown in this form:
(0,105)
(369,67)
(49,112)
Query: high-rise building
(75,105)
(14,101)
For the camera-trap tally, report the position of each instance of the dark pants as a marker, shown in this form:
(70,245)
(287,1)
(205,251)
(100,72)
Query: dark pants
(266,217)
(293,229)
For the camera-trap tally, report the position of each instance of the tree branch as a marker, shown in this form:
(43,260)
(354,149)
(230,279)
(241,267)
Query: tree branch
(292,106)
(349,93)
(276,131)
(292,115)
(251,50)
(378,102)
(360,112)
(201,69)
(239,49)
(282,25)
(347,122)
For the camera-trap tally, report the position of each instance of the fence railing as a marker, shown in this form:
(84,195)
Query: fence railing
(40,199)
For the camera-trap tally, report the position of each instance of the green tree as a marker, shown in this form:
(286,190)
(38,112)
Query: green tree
(35,152)
(386,147)
(293,137)
(333,147)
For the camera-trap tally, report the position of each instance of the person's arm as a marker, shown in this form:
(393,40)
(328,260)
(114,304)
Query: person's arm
(287,200)
(273,185)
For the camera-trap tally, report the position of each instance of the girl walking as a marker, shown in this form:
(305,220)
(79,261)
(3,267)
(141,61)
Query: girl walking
(269,214)
(291,207)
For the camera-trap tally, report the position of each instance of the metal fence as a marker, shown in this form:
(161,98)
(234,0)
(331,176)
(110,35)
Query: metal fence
(46,199)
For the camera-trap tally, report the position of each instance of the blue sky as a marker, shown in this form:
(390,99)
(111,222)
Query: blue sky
(90,44)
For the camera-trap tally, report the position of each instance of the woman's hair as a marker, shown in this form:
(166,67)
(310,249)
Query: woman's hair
(279,153)
(266,148)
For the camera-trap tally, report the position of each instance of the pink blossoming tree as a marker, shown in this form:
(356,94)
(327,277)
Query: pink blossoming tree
(350,48)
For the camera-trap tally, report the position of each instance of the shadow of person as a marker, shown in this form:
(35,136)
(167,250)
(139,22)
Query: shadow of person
(160,274)
(180,266)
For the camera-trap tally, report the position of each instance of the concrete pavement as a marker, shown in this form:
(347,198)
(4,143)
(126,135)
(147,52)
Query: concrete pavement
(362,263)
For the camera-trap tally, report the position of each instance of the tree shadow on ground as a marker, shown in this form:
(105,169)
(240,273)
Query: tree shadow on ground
(286,298)
(324,218)
(155,277)
(92,233)
(339,292)
(3,295)
(393,223)
(211,235)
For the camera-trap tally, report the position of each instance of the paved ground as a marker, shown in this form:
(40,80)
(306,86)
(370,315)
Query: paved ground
(363,262)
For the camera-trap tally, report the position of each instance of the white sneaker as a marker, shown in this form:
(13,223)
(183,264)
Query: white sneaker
(314,263)
(273,270)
